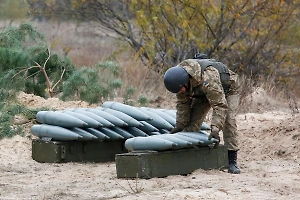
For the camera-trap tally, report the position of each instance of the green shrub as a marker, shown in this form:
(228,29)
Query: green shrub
(93,84)
(143,101)
(129,92)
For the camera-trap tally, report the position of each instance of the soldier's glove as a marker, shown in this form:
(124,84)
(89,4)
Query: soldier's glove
(214,134)
(177,128)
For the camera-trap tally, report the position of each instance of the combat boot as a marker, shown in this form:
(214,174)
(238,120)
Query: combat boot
(233,168)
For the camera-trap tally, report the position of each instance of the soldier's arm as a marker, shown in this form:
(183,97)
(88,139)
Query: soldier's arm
(183,107)
(213,90)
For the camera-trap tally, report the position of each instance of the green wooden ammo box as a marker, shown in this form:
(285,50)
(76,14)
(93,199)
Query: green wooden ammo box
(76,151)
(149,164)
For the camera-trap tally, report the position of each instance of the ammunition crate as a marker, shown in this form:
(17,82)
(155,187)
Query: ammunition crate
(149,164)
(76,151)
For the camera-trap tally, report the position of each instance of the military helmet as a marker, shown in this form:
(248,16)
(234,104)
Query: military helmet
(175,78)
(200,56)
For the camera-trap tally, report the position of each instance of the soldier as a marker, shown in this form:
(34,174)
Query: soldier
(201,84)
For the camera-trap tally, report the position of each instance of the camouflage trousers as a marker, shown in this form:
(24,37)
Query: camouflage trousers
(200,108)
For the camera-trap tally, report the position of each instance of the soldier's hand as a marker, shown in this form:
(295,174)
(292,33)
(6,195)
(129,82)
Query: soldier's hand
(215,134)
(176,129)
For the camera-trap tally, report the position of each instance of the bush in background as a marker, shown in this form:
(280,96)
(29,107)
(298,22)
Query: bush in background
(93,84)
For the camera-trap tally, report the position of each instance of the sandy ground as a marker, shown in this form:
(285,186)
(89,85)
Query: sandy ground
(269,160)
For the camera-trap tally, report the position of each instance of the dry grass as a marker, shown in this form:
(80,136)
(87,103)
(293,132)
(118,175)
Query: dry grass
(265,96)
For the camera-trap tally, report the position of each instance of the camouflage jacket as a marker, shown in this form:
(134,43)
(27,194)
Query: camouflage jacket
(205,83)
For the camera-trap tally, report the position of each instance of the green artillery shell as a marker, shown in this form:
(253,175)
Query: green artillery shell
(59,119)
(129,110)
(54,132)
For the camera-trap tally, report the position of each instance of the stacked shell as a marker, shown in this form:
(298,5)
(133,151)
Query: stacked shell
(141,128)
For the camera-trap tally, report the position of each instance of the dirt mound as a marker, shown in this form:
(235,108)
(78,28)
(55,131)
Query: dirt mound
(269,135)
(32,101)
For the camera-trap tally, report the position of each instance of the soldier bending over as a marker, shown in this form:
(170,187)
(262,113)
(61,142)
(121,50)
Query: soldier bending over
(201,84)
